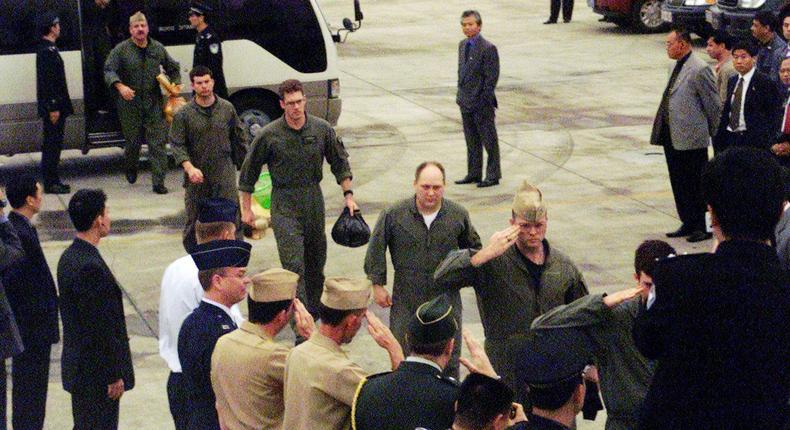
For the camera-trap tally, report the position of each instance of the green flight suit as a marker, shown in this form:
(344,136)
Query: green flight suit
(295,159)
(416,251)
(508,298)
(625,374)
(142,118)
(203,136)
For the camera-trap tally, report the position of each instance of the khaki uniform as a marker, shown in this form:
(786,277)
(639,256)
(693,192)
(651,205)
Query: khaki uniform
(320,383)
(203,137)
(508,298)
(295,159)
(416,252)
(142,118)
(247,370)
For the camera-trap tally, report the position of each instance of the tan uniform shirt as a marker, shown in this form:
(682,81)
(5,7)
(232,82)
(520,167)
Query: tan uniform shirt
(320,382)
(247,370)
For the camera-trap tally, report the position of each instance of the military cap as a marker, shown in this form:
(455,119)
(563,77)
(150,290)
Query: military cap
(274,285)
(433,322)
(528,203)
(346,294)
(217,210)
(555,356)
(45,21)
(199,8)
(221,253)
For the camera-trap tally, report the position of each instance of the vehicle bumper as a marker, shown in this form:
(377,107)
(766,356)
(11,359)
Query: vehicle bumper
(737,23)
(691,17)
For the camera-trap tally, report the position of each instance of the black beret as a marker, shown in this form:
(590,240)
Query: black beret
(433,322)
(555,355)
(221,253)
(217,210)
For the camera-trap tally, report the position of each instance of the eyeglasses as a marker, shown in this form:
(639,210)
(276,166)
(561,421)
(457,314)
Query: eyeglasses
(295,103)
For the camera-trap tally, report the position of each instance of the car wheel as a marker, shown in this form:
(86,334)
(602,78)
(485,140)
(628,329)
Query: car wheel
(255,112)
(647,16)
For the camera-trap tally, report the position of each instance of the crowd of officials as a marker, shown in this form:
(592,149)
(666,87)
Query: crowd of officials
(701,341)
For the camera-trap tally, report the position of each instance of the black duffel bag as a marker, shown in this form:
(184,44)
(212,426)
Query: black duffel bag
(350,230)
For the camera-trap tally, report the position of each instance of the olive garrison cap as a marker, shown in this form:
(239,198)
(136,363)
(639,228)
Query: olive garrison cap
(528,203)
(554,356)
(346,294)
(433,322)
(217,210)
(274,285)
(221,253)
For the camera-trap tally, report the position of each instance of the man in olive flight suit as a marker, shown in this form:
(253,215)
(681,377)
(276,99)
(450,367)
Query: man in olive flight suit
(131,68)
(208,47)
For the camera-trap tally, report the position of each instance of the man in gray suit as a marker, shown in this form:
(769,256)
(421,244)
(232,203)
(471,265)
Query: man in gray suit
(478,72)
(686,119)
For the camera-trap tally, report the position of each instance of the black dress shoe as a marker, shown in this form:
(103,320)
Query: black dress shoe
(682,231)
(699,236)
(467,180)
(550,22)
(488,183)
(160,189)
(57,189)
(566,20)
(131,175)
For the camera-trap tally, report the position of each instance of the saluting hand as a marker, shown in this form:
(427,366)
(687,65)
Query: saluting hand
(479,362)
(381,296)
(305,324)
(115,390)
(614,299)
(500,242)
(384,338)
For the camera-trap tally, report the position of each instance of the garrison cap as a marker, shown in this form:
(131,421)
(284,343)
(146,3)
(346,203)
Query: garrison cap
(199,8)
(45,21)
(555,356)
(221,253)
(217,210)
(346,294)
(274,285)
(528,203)
(433,322)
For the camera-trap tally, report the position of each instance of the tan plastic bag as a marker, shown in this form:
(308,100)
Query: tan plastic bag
(174,99)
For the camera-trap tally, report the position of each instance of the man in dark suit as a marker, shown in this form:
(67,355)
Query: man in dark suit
(685,121)
(54,104)
(96,361)
(34,300)
(750,115)
(415,395)
(717,323)
(222,274)
(478,72)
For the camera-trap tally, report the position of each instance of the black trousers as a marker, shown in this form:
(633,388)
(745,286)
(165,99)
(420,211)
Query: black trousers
(685,176)
(177,398)
(567,10)
(29,376)
(94,411)
(480,132)
(50,150)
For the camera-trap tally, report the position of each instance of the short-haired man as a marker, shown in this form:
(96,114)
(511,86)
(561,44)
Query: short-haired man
(782,146)
(208,46)
(181,293)
(517,277)
(419,232)
(686,119)
(750,115)
(34,300)
(718,48)
(248,365)
(764,30)
(478,73)
(607,320)
(784,52)
(204,136)
(715,322)
(131,69)
(320,379)
(223,276)
(96,362)
(294,147)
(54,103)
(485,403)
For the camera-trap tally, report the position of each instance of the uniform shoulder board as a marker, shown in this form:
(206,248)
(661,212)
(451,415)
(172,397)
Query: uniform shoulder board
(377,375)
(448,379)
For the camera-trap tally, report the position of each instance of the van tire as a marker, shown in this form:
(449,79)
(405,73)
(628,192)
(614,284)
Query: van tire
(256,110)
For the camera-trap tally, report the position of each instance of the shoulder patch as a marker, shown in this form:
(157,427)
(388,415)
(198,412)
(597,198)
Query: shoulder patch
(214,48)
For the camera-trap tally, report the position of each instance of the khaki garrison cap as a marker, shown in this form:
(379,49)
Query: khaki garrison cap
(346,294)
(274,285)
(528,203)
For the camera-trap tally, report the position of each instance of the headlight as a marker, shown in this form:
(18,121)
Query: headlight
(699,2)
(751,4)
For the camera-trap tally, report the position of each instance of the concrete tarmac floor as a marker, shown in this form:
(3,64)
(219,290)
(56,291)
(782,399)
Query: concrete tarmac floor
(576,105)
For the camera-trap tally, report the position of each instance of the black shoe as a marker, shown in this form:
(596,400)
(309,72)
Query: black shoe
(566,20)
(551,22)
(488,183)
(682,231)
(131,175)
(699,236)
(467,180)
(57,189)
(160,189)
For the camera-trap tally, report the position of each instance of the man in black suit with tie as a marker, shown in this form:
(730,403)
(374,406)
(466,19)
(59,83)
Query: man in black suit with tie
(478,72)
(717,323)
(222,274)
(750,113)
(34,299)
(96,361)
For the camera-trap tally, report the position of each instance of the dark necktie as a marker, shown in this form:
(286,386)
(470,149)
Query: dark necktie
(735,111)
(467,48)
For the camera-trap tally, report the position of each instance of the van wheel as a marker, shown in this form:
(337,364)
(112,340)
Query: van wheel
(646,16)
(256,112)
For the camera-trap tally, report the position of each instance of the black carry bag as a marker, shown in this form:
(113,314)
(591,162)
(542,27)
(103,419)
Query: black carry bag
(350,230)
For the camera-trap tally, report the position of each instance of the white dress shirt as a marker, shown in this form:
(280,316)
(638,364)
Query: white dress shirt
(181,293)
(746,79)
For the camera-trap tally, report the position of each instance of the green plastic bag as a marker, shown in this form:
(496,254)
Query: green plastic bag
(263,190)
